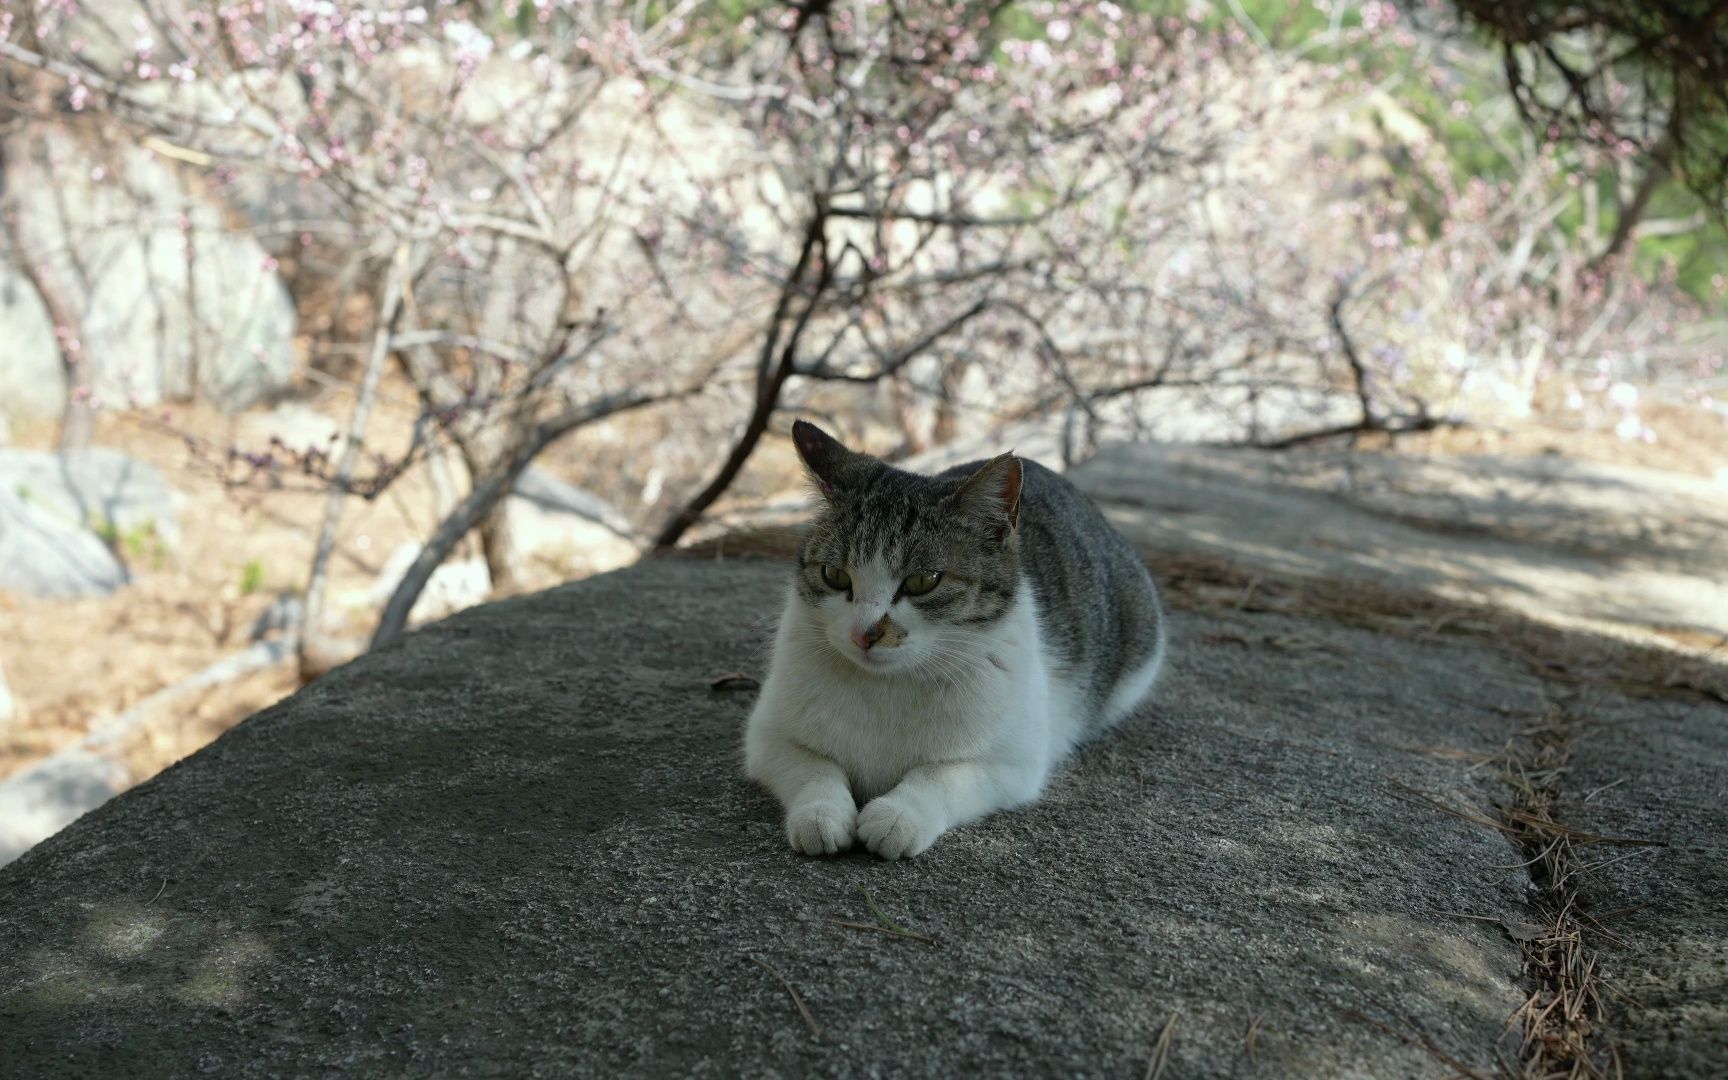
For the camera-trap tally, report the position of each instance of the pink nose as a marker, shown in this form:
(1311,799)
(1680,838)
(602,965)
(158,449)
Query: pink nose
(866,637)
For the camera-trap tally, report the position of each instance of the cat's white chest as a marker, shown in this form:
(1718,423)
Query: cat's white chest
(999,700)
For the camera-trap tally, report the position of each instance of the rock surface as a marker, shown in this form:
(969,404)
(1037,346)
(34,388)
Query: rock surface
(32,380)
(1580,544)
(521,842)
(98,487)
(1660,771)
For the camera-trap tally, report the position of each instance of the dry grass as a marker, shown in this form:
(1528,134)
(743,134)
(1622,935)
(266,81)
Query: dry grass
(1161,1051)
(884,924)
(1561,1023)
(1562,1020)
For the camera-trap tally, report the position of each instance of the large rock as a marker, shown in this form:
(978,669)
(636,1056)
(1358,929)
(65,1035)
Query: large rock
(45,555)
(521,843)
(46,797)
(32,379)
(1659,774)
(1581,544)
(98,488)
(170,299)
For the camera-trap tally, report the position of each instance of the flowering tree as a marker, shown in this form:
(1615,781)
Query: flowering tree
(711,210)
(1628,76)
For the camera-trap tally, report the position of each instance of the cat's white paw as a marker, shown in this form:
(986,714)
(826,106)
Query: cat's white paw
(895,829)
(821,828)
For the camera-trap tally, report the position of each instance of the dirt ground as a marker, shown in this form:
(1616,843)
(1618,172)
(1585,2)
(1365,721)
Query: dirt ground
(74,665)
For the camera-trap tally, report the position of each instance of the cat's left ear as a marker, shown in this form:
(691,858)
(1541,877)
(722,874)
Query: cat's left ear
(992,494)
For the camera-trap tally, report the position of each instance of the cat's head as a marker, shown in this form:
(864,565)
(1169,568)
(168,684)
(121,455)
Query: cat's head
(904,572)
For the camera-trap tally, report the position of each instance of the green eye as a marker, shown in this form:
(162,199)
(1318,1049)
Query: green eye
(836,578)
(919,584)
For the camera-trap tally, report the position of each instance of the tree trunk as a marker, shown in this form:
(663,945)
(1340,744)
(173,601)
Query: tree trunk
(389,304)
(947,419)
(498,544)
(76,417)
(487,492)
(1632,211)
(771,376)
(484,451)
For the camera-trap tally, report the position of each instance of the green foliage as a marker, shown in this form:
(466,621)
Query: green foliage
(1477,121)
(251,577)
(106,530)
(139,544)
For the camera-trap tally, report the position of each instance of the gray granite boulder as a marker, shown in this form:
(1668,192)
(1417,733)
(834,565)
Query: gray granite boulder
(32,380)
(44,798)
(171,300)
(42,554)
(67,521)
(521,843)
(98,488)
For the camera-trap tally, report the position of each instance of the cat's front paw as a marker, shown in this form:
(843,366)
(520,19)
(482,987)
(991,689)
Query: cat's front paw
(895,829)
(821,828)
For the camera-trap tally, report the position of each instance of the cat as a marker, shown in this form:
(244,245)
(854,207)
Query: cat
(946,642)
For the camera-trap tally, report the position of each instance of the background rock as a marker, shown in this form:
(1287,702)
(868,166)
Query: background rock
(45,555)
(170,300)
(48,796)
(568,528)
(32,380)
(96,488)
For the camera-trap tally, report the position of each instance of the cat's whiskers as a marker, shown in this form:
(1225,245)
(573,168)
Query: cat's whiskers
(960,667)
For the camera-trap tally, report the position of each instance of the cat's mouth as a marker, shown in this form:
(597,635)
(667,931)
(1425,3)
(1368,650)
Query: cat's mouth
(875,659)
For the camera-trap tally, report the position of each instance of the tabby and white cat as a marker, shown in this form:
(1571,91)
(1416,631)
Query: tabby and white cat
(947,641)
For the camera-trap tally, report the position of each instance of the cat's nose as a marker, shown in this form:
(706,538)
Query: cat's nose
(868,636)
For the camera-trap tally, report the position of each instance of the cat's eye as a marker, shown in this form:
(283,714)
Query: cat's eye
(836,578)
(919,584)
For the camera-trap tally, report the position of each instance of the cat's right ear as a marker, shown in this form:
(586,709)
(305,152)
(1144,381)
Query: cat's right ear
(992,495)
(825,459)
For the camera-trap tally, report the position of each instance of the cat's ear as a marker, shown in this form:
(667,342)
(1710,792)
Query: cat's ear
(992,494)
(825,459)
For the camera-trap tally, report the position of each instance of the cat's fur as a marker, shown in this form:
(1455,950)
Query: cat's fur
(1044,629)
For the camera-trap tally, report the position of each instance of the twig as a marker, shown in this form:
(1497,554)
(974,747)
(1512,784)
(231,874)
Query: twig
(354,436)
(1161,1052)
(889,930)
(890,924)
(803,1010)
